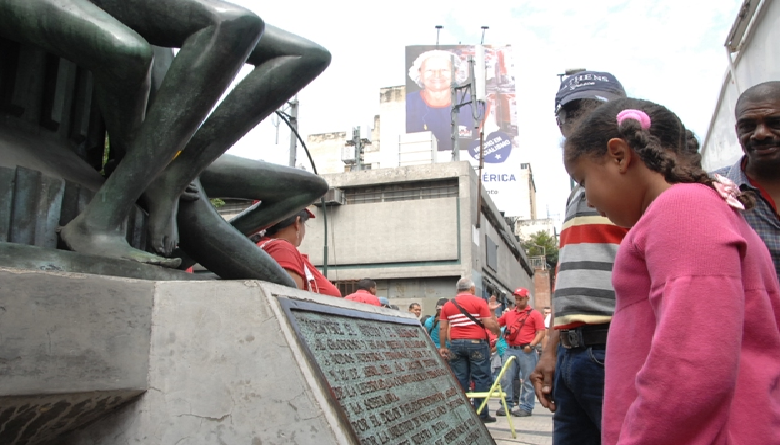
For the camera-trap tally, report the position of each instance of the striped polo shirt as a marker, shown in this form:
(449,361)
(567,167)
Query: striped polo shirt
(583,284)
(461,326)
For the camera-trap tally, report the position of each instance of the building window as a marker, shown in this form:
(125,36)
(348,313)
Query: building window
(346,287)
(491,253)
(402,191)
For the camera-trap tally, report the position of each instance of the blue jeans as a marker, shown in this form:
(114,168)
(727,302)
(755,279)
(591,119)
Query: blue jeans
(578,392)
(521,368)
(471,361)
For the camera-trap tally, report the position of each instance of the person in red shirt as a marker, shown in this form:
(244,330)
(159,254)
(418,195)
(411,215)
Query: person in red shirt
(463,321)
(282,240)
(524,330)
(366,293)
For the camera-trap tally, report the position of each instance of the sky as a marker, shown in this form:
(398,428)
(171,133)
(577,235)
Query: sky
(668,51)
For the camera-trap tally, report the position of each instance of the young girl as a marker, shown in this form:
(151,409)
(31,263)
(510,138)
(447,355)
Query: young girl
(693,353)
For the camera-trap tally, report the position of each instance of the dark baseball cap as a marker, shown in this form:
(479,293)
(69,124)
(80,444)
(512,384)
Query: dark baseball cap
(597,85)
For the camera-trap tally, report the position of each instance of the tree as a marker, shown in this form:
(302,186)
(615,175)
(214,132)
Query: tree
(541,239)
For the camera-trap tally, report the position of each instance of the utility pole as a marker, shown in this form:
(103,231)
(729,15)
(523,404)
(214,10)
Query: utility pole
(476,100)
(455,114)
(359,143)
(294,124)
(358,148)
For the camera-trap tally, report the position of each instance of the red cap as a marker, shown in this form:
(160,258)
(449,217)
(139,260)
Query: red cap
(521,292)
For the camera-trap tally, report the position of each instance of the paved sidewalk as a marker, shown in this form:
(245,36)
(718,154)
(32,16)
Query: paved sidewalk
(536,430)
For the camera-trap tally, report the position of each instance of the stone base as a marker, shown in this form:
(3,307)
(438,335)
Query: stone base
(96,360)
(212,360)
(43,418)
(20,256)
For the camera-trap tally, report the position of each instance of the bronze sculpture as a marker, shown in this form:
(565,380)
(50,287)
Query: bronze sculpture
(113,39)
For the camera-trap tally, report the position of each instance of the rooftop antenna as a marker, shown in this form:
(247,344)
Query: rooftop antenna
(484,28)
(438,29)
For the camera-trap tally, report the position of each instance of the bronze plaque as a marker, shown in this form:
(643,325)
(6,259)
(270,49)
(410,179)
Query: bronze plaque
(386,376)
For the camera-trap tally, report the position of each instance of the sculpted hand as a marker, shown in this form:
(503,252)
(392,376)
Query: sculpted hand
(542,379)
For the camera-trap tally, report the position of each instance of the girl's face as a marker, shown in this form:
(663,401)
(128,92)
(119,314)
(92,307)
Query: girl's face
(607,187)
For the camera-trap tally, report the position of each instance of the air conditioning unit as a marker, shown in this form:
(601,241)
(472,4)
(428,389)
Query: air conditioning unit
(335,196)
(348,155)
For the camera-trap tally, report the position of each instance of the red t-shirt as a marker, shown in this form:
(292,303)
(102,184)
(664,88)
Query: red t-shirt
(291,259)
(364,296)
(534,323)
(461,326)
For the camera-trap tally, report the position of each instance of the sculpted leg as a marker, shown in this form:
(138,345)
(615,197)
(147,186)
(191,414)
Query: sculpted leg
(79,31)
(120,61)
(218,246)
(282,190)
(215,39)
(285,63)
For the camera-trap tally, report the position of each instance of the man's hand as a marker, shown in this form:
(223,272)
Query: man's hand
(543,375)
(493,304)
(445,353)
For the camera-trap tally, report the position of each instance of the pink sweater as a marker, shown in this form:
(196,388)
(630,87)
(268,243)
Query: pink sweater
(693,355)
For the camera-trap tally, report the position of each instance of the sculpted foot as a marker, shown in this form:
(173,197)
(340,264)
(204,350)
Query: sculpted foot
(82,238)
(162,201)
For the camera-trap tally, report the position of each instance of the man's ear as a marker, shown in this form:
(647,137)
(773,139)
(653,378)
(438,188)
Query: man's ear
(619,153)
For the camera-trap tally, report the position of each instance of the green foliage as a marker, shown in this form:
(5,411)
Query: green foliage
(106,152)
(217,203)
(539,240)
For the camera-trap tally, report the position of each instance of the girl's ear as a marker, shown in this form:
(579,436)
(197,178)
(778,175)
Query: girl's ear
(619,154)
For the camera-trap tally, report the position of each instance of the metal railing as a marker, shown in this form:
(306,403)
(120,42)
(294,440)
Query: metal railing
(538,262)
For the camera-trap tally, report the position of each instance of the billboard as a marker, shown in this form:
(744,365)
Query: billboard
(428,108)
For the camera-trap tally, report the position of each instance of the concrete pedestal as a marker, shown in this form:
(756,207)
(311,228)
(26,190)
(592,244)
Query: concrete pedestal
(207,363)
(96,360)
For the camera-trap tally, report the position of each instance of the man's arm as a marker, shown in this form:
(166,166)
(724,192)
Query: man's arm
(542,377)
(297,278)
(491,323)
(444,337)
(538,338)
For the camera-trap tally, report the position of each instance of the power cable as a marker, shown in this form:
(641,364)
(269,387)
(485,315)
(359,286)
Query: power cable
(285,118)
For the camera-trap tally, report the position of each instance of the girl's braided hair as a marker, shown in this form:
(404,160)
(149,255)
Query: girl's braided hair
(667,147)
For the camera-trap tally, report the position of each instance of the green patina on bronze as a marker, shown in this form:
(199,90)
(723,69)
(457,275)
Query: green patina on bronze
(151,118)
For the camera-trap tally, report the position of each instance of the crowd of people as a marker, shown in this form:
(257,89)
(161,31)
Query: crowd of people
(665,319)
(664,325)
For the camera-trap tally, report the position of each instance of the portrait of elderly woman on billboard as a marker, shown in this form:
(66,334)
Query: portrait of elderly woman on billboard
(429,108)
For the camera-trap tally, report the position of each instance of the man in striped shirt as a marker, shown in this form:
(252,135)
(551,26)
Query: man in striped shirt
(584,300)
(463,321)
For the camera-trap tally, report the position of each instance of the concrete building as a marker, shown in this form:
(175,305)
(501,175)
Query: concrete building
(510,183)
(409,218)
(524,228)
(527,195)
(416,230)
(751,47)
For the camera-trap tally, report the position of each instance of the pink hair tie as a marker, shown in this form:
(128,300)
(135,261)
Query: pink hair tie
(639,115)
